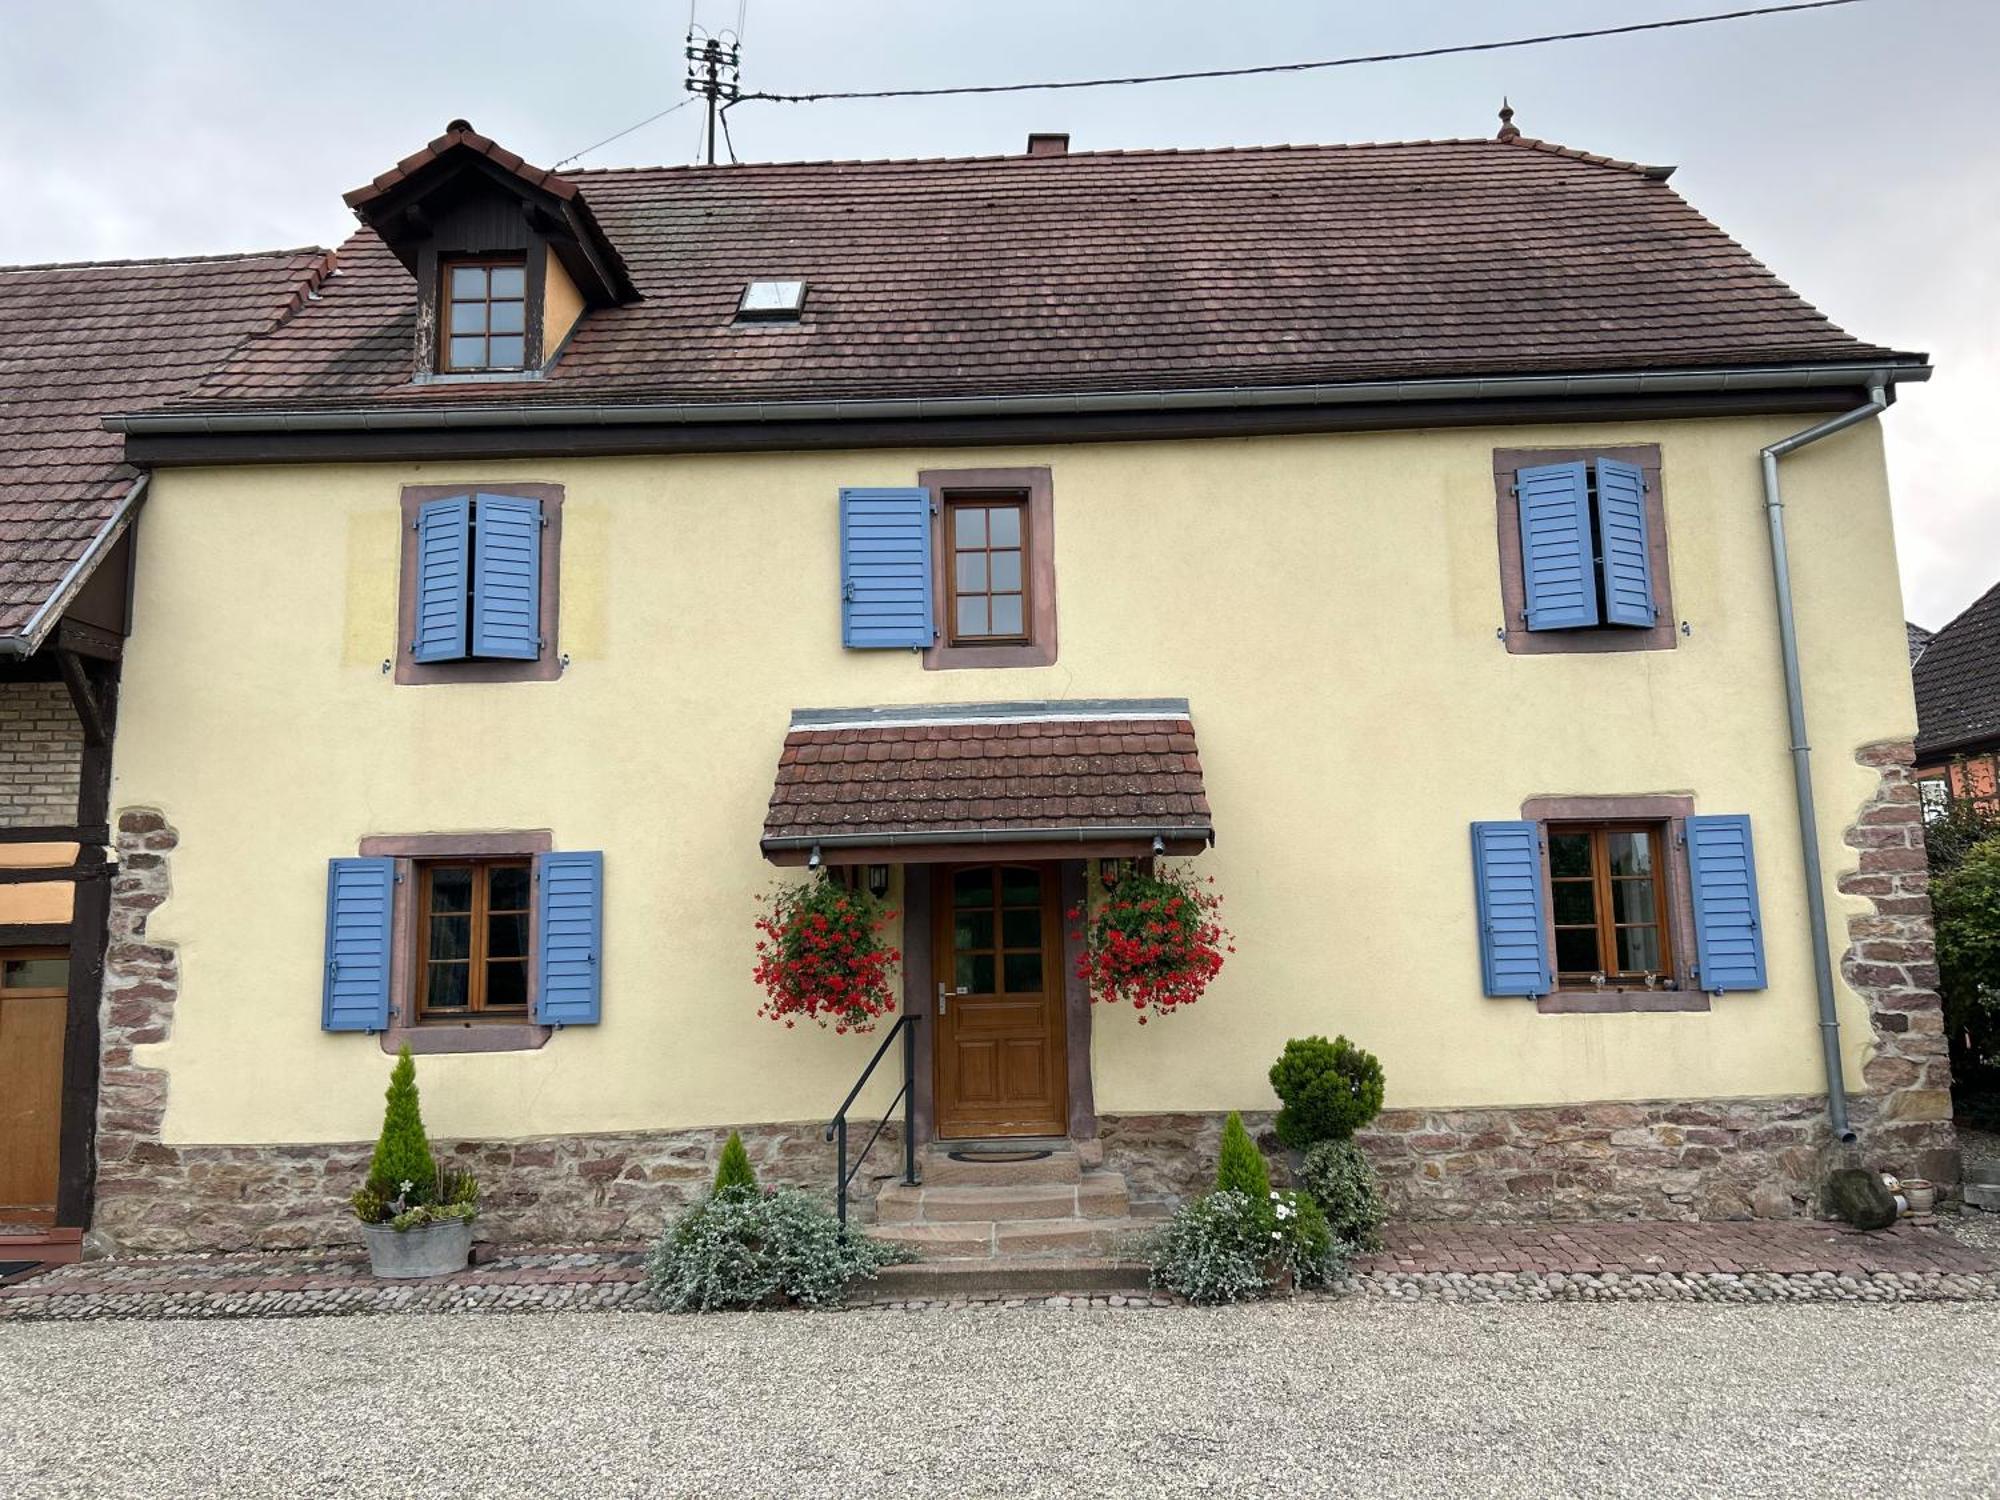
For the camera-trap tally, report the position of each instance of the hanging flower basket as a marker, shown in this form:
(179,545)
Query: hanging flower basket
(820,954)
(1155,943)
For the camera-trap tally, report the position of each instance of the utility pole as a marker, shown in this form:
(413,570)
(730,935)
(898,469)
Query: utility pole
(714,65)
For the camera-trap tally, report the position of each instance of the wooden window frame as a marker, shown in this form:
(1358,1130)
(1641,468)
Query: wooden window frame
(477,1010)
(1035,487)
(1603,883)
(1668,812)
(546,667)
(957,503)
(446,264)
(1662,635)
(441,1034)
(33,992)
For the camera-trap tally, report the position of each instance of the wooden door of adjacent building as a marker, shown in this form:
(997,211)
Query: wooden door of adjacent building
(1000,1044)
(34,1004)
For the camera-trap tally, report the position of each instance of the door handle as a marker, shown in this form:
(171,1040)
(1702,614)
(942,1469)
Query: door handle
(944,997)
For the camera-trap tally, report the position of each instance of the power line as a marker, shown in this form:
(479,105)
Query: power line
(1295,67)
(578,156)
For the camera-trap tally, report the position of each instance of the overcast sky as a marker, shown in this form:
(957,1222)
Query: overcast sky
(1849,149)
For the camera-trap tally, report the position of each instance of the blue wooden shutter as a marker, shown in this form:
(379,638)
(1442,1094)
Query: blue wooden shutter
(885,568)
(507,578)
(1557,566)
(1729,937)
(569,938)
(1513,937)
(1621,528)
(444,532)
(360,905)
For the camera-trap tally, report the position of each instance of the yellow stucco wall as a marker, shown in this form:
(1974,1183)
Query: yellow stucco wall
(1328,603)
(562,305)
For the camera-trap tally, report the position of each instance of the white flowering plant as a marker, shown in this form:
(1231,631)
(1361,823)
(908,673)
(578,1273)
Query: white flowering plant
(1228,1246)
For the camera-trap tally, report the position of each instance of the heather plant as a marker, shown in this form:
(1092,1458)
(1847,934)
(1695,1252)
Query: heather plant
(1343,1184)
(734,1170)
(1329,1090)
(742,1249)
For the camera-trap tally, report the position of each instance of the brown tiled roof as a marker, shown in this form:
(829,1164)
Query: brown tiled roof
(78,342)
(1018,776)
(461,134)
(1917,638)
(1958,681)
(1109,271)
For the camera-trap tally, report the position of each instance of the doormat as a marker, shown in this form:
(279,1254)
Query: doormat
(997,1158)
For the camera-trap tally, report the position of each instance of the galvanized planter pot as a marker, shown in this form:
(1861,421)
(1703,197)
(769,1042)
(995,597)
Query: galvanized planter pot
(426,1250)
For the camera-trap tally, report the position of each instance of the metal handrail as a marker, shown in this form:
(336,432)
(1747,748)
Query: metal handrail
(905,1096)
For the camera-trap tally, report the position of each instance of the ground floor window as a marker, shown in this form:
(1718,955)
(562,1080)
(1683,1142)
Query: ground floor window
(1608,885)
(473,952)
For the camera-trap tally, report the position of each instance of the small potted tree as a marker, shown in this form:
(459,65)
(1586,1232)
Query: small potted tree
(416,1217)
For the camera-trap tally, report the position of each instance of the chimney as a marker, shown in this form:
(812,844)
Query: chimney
(1048,143)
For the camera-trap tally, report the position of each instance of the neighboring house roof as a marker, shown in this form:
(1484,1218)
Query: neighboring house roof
(1918,638)
(1000,772)
(80,341)
(1107,272)
(1958,681)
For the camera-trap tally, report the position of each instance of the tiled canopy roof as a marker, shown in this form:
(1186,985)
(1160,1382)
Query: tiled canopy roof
(1110,271)
(1958,681)
(1005,772)
(78,342)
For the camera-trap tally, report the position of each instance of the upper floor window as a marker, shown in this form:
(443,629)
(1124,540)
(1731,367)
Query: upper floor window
(987,581)
(477,600)
(485,314)
(1583,550)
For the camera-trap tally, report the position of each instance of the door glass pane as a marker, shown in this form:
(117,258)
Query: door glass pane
(509,281)
(1638,949)
(1006,571)
(506,984)
(1006,614)
(451,888)
(36,974)
(1631,853)
(969,526)
(507,352)
(972,929)
(1022,928)
(468,317)
(1006,523)
(1576,950)
(972,617)
(973,973)
(507,937)
(1569,854)
(1632,900)
(451,937)
(1575,902)
(509,890)
(1021,887)
(468,353)
(1024,973)
(972,572)
(468,281)
(446,987)
(972,888)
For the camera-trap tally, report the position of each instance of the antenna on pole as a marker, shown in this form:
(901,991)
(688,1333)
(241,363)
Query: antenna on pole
(714,67)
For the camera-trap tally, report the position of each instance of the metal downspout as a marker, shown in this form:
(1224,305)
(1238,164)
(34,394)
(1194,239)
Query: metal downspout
(1795,712)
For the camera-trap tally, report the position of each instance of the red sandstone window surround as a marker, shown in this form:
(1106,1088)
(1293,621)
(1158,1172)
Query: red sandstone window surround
(993,561)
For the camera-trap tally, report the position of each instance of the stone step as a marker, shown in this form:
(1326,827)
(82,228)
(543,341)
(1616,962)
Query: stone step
(941,1170)
(1006,1240)
(941,1279)
(1983,1195)
(1099,1195)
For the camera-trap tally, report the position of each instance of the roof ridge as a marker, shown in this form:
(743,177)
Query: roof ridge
(1556,148)
(166,260)
(1963,614)
(1044,162)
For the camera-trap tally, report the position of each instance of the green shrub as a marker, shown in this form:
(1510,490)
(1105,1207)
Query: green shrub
(402,1151)
(1239,1164)
(1966,903)
(742,1249)
(1342,1183)
(734,1171)
(1227,1247)
(1329,1090)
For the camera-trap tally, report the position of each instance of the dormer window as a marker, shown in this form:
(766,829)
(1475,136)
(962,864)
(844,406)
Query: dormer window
(485,314)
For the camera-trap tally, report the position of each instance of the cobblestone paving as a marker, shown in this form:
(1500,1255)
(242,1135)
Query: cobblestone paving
(1747,1262)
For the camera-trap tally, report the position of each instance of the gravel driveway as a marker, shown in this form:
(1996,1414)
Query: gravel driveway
(1305,1398)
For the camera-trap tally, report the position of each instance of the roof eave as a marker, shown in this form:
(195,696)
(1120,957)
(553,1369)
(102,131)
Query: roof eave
(28,639)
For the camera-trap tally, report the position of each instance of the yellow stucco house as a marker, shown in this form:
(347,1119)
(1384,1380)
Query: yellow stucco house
(1388,530)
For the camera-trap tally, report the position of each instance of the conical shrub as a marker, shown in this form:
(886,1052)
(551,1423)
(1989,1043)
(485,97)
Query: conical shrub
(402,1151)
(734,1171)
(1240,1165)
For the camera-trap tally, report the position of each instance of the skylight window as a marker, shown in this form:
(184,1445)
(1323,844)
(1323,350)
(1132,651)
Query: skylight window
(772,300)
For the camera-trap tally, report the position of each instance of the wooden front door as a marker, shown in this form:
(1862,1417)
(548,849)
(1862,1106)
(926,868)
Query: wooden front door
(34,1002)
(1000,1046)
